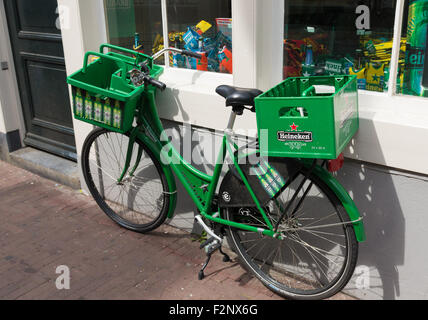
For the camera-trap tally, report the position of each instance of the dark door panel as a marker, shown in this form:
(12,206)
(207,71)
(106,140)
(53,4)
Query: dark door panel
(40,68)
(37,16)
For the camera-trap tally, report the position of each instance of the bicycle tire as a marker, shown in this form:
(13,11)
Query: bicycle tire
(129,198)
(298,286)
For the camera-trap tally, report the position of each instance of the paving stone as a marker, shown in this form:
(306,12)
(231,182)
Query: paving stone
(44,225)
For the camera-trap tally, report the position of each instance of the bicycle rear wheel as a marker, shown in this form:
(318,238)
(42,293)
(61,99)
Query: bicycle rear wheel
(318,251)
(141,201)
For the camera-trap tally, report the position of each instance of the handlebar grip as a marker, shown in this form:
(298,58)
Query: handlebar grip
(192,54)
(157,84)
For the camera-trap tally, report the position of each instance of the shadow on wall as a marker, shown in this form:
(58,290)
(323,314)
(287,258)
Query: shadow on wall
(375,195)
(202,148)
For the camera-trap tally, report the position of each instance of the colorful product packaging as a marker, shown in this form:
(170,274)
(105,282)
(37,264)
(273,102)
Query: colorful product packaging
(361,77)
(203,27)
(191,38)
(375,77)
(137,44)
(202,64)
(224,25)
(225,58)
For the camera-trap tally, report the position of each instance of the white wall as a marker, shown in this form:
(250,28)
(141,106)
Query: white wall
(11,117)
(83,29)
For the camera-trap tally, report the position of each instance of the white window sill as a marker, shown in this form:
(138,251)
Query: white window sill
(190,97)
(393,130)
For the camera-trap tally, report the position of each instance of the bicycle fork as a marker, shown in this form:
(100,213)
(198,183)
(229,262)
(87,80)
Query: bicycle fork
(132,138)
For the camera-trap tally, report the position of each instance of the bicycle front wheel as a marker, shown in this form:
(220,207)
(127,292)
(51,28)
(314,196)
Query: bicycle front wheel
(317,252)
(140,202)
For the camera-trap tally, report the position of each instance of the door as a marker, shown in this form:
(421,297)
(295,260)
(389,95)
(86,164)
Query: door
(39,62)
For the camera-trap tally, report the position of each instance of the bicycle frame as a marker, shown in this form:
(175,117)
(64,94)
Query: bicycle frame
(200,186)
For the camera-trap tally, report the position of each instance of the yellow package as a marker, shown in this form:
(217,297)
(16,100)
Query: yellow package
(203,27)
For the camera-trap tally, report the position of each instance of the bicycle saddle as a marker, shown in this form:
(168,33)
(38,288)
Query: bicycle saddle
(238,96)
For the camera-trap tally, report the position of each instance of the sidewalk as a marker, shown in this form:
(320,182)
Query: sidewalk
(44,225)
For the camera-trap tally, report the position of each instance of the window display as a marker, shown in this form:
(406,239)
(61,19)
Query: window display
(200,26)
(340,37)
(134,24)
(415,77)
(204,27)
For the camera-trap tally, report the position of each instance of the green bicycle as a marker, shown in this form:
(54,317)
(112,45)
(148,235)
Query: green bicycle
(291,224)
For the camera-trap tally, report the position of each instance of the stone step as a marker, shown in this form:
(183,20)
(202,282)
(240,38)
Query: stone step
(52,167)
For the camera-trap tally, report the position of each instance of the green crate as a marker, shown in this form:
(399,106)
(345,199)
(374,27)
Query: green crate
(102,94)
(308,117)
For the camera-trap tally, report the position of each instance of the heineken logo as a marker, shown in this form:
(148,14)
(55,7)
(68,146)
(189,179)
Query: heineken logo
(414,57)
(295,136)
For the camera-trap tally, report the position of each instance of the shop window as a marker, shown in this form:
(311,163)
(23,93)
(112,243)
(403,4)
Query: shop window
(340,37)
(414,68)
(203,26)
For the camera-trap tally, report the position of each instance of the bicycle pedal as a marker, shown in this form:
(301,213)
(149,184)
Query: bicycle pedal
(207,242)
(212,248)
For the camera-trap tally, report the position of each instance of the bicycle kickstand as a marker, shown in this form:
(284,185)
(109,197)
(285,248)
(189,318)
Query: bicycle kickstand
(211,245)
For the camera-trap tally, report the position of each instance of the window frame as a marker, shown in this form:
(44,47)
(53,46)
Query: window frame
(165,35)
(393,127)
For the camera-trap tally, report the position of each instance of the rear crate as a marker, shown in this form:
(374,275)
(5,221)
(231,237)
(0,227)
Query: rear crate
(308,117)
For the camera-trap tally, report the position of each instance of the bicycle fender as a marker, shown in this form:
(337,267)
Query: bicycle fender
(347,202)
(167,171)
(231,192)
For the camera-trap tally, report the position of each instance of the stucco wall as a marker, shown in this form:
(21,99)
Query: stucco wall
(393,204)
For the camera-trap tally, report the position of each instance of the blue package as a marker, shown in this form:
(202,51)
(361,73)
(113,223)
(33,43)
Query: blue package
(191,38)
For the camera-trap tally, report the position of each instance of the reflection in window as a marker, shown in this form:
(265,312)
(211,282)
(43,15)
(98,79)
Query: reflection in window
(135,24)
(327,37)
(415,75)
(196,25)
(204,27)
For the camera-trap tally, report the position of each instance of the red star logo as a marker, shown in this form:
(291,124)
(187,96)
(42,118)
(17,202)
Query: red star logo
(294,127)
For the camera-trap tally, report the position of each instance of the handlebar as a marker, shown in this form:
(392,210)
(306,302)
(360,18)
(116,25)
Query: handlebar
(183,52)
(160,85)
(192,54)
(144,78)
(139,78)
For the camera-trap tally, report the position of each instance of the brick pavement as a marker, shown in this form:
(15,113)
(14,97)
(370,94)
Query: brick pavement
(44,225)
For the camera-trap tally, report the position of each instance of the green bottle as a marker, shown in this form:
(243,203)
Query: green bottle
(117,115)
(78,103)
(107,112)
(88,107)
(415,48)
(98,108)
